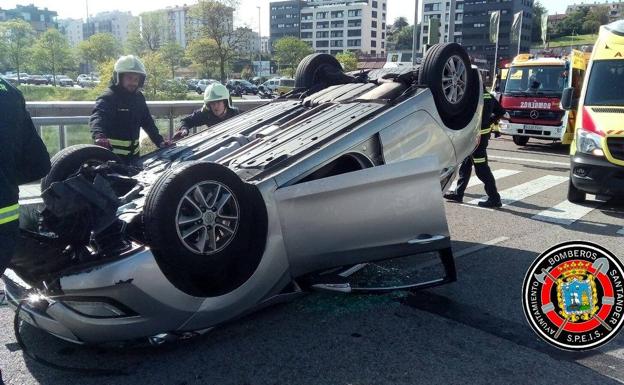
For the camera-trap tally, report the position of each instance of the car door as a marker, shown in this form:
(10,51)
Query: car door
(372,214)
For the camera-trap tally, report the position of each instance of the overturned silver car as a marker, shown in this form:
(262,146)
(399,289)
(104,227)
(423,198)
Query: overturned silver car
(293,195)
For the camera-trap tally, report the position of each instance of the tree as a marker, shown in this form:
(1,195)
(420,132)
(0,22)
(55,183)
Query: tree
(51,53)
(348,60)
(202,53)
(154,29)
(246,73)
(404,38)
(289,51)
(400,23)
(135,45)
(157,71)
(17,38)
(99,48)
(173,54)
(213,20)
(536,30)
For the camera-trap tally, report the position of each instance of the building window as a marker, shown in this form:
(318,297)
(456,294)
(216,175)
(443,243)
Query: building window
(373,24)
(375,4)
(337,14)
(306,16)
(478,25)
(354,43)
(354,23)
(373,43)
(374,14)
(337,33)
(354,32)
(337,24)
(336,43)
(373,52)
(432,7)
(306,25)
(373,33)
(322,43)
(322,34)
(383,45)
(354,12)
(321,15)
(322,24)
(306,35)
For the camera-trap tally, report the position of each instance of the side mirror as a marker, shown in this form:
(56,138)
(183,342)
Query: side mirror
(567,99)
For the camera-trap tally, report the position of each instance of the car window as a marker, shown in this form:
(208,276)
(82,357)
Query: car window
(287,83)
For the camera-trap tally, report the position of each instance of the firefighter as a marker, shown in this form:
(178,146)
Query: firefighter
(121,112)
(23,159)
(492,112)
(217,108)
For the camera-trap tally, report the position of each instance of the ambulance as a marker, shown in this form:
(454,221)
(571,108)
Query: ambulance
(597,152)
(532,94)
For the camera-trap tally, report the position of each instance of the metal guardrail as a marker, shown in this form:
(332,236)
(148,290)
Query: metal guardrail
(63,114)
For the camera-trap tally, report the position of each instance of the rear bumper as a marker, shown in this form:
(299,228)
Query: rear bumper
(596,175)
(544,132)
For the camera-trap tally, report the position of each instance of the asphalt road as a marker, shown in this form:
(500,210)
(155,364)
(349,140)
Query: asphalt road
(472,331)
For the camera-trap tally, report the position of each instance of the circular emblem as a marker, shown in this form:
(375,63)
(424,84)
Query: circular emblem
(573,295)
(534,114)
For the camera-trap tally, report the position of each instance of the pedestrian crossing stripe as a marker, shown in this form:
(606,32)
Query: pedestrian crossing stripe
(565,213)
(525,190)
(498,174)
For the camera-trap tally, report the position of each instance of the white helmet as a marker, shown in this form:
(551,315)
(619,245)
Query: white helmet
(129,63)
(215,92)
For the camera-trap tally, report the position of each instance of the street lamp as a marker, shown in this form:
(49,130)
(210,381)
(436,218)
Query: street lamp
(259,38)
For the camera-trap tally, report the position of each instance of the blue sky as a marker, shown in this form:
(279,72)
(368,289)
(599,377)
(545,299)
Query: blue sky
(247,13)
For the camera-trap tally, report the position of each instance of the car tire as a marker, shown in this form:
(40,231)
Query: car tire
(575,195)
(185,241)
(307,73)
(69,160)
(458,102)
(520,140)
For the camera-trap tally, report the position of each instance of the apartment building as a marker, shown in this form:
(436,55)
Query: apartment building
(285,21)
(476,27)
(333,26)
(39,19)
(615,9)
(441,10)
(114,22)
(72,30)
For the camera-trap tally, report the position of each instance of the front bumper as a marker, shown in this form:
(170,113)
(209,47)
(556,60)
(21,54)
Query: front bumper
(534,131)
(596,175)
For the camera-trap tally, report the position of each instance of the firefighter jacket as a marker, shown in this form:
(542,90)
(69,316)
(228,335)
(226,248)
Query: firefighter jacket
(119,116)
(204,116)
(23,156)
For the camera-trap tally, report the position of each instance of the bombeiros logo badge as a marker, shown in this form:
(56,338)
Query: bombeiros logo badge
(573,295)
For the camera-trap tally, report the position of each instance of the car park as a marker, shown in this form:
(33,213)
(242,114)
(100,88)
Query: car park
(64,81)
(254,211)
(241,86)
(279,85)
(37,80)
(203,83)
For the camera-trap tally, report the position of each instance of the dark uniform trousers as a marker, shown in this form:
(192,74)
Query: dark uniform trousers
(482,169)
(8,240)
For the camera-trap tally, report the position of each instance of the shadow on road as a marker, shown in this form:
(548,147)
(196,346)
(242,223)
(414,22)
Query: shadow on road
(472,331)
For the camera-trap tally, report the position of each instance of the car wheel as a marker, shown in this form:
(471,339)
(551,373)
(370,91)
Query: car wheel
(575,195)
(68,161)
(520,140)
(207,229)
(447,71)
(312,68)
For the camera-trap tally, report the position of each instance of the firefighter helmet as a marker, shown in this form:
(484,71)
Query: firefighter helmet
(129,63)
(215,92)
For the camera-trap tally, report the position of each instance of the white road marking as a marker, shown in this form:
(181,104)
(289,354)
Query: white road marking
(567,164)
(479,247)
(527,189)
(498,174)
(565,213)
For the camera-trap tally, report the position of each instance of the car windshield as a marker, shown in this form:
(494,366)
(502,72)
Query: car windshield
(605,84)
(550,80)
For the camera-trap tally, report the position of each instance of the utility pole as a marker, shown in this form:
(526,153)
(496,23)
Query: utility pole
(451,23)
(415,40)
(259,37)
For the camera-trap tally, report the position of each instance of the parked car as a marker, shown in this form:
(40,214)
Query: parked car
(64,81)
(290,196)
(23,78)
(241,86)
(37,80)
(192,84)
(89,81)
(11,79)
(280,85)
(203,83)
